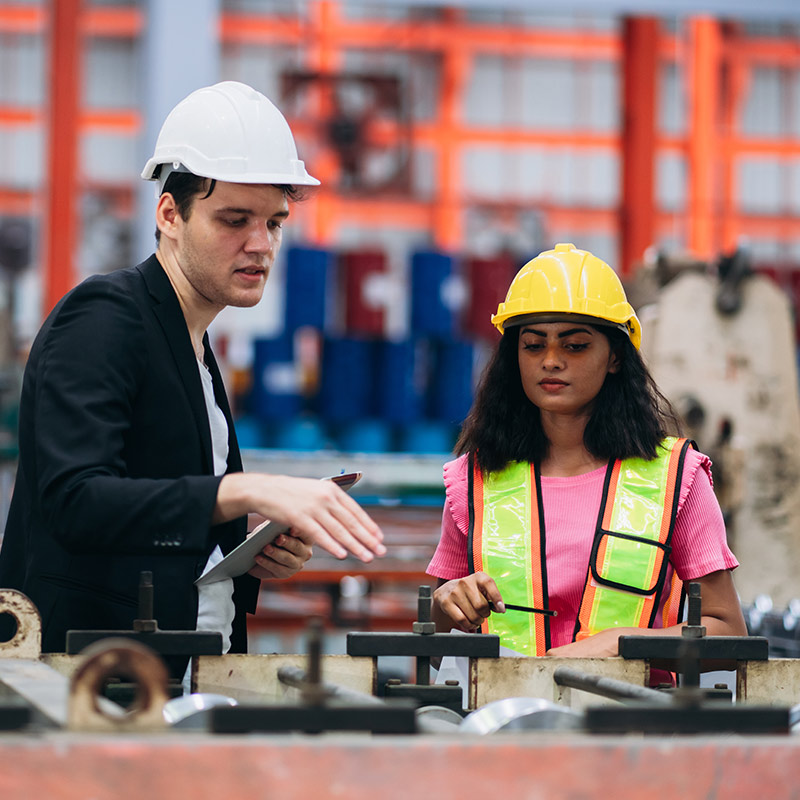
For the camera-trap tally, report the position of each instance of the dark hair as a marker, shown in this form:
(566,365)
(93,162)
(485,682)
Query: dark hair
(186,186)
(629,419)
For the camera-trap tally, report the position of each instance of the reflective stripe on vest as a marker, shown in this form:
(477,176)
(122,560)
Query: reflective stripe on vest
(629,557)
(631,548)
(506,541)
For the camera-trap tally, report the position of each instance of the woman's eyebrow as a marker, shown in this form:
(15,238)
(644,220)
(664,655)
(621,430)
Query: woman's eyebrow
(560,335)
(574,330)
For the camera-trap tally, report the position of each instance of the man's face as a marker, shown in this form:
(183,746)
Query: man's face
(226,247)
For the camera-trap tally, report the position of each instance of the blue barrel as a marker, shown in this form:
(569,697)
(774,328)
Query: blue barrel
(346,385)
(402,379)
(308,272)
(250,432)
(432,307)
(452,387)
(300,433)
(275,394)
(365,436)
(428,436)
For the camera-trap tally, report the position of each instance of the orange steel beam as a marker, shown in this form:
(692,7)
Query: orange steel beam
(735,81)
(122,22)
(22,19)
(781,51)
(16,202)
(12,116)
(126,122)
(703,91)
(62,137)
(429,36)
(324,57)
(778,227)
(640,79)
(261,29)
(426,133)
(447,225)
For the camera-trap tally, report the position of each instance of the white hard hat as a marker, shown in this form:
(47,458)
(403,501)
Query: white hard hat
(229,132)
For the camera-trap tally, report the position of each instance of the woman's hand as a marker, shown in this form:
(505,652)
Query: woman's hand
(601,645)
(464,603)
(721,616)
(282,558)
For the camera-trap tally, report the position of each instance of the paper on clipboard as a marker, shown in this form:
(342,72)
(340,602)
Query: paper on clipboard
(242,558)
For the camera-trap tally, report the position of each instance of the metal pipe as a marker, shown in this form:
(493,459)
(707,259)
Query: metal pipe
(297,678)
(609,687)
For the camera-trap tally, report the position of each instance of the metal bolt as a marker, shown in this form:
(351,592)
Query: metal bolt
(424,603)
(146,620)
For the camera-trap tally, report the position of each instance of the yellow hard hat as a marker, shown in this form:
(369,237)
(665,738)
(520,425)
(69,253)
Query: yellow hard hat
(569,281)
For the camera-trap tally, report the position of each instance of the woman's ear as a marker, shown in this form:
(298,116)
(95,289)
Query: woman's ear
(614,362)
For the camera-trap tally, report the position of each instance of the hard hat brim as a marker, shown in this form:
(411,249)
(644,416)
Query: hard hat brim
(631,329)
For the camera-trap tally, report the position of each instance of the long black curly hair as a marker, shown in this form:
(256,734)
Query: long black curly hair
(629,419)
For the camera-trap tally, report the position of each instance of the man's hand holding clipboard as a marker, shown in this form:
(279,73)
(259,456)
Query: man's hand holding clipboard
(242,559)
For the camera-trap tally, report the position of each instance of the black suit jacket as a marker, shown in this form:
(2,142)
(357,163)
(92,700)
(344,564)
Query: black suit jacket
(115,468)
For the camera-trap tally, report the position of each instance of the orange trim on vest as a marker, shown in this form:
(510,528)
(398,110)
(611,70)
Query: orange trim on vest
(539,599)
(477,494)
(671,613)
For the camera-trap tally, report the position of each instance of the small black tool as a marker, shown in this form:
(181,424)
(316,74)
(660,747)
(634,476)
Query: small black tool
(548,612)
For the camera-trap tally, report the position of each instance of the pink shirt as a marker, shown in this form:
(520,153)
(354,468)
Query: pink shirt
(571,505)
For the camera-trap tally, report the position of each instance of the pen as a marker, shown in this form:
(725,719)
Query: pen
(546,611)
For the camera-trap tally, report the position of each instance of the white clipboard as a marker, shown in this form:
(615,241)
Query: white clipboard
(243,558)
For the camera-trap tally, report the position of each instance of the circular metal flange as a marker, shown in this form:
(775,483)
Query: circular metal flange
(521,713)
(89,710)
(27,641)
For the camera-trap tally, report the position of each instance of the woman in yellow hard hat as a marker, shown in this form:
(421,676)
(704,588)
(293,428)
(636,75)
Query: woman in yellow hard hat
(571,511)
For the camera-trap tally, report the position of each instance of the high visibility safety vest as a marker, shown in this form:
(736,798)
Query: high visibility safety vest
(627,569)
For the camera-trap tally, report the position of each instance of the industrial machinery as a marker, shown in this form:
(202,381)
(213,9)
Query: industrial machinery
(720,342)
(589,726)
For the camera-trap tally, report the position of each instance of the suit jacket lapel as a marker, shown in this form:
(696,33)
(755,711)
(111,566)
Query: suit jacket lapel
(168,312)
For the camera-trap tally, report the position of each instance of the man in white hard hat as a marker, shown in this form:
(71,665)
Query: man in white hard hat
(128,455)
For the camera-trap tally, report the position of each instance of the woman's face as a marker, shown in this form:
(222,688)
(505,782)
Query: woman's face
(563,365)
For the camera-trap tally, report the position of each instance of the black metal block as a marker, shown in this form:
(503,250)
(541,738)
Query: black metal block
(433,695)
(709,718)
(716,652)
(398,717)
(14,714)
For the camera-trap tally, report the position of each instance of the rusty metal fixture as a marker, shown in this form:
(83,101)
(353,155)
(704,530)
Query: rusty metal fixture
(27,641)
(116,657)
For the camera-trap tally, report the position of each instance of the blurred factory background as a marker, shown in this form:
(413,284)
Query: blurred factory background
(454,142)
